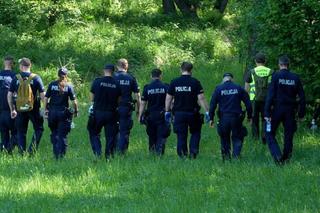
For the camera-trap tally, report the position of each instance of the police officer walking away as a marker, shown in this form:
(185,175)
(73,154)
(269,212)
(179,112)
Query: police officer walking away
(7,127)
(257,82)
(154,97)
(105,95)
(128,85)
(229,96)
(29,89)
(281,107)
(187,92)
(56,105)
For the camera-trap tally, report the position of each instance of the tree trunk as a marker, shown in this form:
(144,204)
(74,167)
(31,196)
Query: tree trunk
(221,5)
(169,7)
(186,8)
(53,13)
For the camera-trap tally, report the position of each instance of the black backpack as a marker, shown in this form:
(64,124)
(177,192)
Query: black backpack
(261,86)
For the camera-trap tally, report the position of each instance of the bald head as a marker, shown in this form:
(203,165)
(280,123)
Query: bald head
(122,64)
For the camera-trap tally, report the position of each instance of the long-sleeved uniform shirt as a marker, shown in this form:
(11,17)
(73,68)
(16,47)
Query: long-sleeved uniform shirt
(284,90)
(229,97)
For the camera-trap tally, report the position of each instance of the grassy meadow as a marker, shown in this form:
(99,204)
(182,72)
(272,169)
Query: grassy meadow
(138,181)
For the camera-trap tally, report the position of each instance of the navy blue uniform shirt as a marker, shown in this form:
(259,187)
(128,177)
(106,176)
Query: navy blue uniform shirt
(185,91)
(128,85)
(6,77)
(229,97)
(155,94)
(106,92)
(59,100)
(36,86)
(283,91)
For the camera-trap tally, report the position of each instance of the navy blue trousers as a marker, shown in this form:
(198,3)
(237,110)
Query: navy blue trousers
(286,116)
(184,121)
(22,122)
(229,129)
(158,131)
(8,131)
(108,121)
(59,123)
(125,126)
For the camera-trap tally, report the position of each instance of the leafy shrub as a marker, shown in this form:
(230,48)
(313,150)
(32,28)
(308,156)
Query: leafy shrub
(284,27)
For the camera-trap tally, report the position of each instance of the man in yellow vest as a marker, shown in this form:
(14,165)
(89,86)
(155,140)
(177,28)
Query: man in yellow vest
(256,84)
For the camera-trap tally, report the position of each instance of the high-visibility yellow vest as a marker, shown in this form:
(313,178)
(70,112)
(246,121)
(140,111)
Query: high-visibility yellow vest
(261,71)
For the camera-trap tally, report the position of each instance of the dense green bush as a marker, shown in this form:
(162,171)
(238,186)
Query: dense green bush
(289,27)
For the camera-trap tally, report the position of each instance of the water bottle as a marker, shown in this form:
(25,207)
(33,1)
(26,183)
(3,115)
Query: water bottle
(268,126)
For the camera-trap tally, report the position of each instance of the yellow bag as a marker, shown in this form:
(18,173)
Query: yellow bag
(25,97)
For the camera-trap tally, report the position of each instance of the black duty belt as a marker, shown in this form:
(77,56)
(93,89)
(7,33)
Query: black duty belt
(231,114)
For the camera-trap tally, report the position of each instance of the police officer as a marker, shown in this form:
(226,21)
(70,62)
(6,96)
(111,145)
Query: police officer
(187,92)
(7,127)
(229,96)
(257,81)
(154,97)
(105,94)
(56,104)
(22,118)
(128,85)
(281,107)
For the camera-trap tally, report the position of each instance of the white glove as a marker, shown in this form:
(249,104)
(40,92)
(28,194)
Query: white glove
(90,110)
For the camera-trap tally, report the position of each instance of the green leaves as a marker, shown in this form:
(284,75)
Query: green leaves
(286,27)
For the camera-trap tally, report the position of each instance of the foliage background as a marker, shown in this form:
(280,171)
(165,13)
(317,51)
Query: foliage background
(87,34)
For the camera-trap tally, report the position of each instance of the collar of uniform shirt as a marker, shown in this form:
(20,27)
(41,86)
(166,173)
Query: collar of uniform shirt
(186,74)
(284,70)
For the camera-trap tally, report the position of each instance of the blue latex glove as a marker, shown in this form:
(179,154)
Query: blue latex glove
(207,117)
(167,117)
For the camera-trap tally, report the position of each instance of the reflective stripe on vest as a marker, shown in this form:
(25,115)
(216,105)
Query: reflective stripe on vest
(261,71)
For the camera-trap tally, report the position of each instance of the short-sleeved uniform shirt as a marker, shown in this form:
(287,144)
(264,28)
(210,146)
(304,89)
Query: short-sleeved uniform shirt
(36,86)
(106,91)
(59,100)
(128,85)
(6,77)
(185,91)
(155,94)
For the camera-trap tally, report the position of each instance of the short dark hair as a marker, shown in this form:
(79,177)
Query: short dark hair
(260,58)
(156,73)
(109,68)
(186,66)
(8,58)
(26,62)
(284,60)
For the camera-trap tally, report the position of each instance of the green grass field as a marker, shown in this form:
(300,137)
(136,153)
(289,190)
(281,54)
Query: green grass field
(140,182)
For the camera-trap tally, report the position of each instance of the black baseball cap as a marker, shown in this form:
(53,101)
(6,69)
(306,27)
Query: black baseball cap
(228,74)
(109,67)
(63,71)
